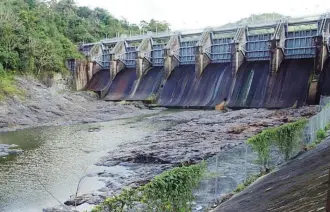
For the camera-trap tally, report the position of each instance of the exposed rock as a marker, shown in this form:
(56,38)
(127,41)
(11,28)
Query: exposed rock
(4,124)
(6,149)
(59,209)
(86,198)
(45,106)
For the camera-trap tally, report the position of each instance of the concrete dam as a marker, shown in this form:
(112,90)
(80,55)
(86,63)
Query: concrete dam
(279,64)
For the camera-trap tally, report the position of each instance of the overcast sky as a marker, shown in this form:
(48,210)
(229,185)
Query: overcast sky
(192,14)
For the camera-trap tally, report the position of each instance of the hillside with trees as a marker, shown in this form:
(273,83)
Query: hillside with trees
(264,17)
(38,36)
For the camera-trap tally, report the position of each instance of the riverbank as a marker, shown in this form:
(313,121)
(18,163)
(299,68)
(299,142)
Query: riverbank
(192,137)
(53,106)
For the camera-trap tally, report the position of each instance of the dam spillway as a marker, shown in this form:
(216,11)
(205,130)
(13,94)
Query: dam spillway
(269,65)
(256,87)
(121,85)
(184,89)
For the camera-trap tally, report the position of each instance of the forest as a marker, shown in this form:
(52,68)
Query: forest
(39,36)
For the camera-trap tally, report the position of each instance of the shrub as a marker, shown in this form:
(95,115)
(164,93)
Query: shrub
(321,134)
(170,191)
(285,137)
(8,86)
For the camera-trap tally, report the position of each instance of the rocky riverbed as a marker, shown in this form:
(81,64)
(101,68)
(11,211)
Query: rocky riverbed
(192,137)
(50,106)
(6,149)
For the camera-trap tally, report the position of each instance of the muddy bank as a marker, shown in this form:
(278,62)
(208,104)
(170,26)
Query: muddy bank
(44,106)
(192,137)
(301,185)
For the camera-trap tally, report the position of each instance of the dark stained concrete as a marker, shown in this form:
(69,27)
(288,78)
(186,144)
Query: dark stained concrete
(301,185)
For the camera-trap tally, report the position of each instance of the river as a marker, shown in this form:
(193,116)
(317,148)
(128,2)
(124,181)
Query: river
(55,158)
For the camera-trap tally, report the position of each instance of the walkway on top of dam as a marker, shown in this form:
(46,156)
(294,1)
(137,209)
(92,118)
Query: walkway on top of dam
(279,64)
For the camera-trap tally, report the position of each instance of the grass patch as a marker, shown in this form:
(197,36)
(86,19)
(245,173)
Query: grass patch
(286,138)
(241,187)
(327,128)
(247,182)
(8,86)
(320,137)
(321,134)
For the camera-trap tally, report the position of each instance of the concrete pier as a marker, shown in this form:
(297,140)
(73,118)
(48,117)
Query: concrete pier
(171,55)
(202,58)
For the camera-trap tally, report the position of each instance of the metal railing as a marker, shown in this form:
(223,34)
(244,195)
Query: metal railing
(319,121)
(250,23)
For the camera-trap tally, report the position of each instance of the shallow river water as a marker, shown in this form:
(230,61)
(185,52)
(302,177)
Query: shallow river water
(55,158)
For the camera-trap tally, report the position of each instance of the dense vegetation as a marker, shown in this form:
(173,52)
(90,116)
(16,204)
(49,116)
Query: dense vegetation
(38,36)
(287,138)
(170,191)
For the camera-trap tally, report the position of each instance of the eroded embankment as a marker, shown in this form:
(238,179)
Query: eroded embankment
(301,185)
(43,106)
(194,136)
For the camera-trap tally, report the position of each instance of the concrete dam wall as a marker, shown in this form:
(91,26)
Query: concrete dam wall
(183,88)
(255,87)
(275,65)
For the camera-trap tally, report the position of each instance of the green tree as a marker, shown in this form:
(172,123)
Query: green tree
(155,26)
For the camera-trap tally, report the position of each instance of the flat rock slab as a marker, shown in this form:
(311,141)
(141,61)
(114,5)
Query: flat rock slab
(7,149)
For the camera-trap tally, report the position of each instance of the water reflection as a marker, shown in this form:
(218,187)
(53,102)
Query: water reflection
(57,157)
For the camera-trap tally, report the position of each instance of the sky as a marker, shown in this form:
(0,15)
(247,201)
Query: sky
(196,14)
